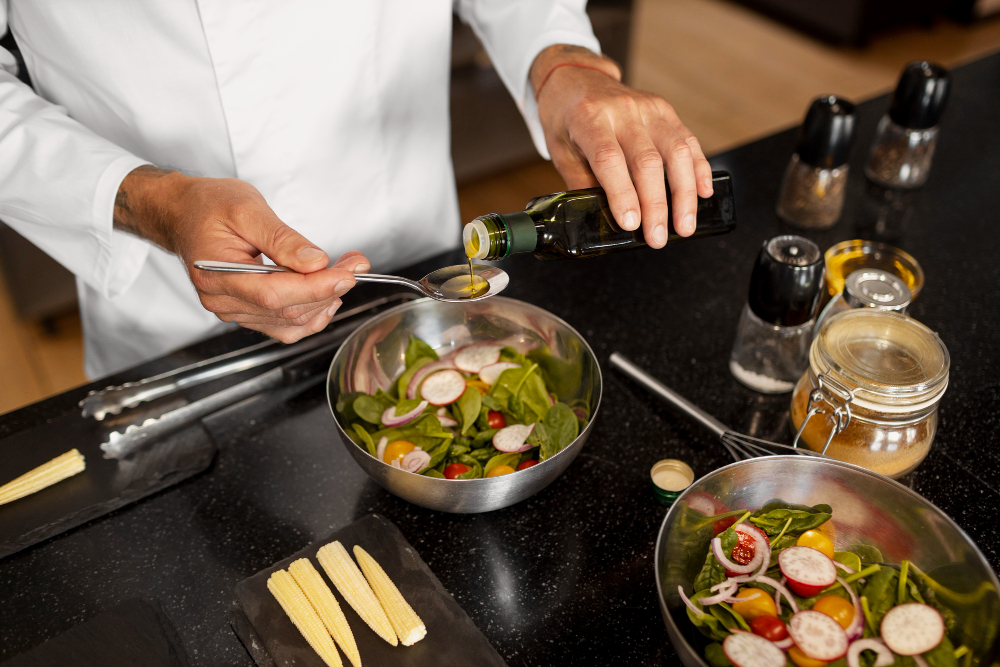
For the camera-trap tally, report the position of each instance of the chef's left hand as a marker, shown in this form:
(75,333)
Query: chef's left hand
(601,132)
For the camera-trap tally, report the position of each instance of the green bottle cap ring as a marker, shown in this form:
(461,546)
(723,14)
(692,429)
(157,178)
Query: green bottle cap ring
(521,232)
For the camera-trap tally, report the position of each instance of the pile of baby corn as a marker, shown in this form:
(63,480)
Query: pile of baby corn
(309,602)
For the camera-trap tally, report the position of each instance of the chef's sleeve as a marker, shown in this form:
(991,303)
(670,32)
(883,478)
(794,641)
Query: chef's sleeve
(58,183)
(514,32)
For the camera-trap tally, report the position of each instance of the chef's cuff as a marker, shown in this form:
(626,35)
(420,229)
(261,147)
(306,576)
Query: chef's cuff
(527,103)
(120,256)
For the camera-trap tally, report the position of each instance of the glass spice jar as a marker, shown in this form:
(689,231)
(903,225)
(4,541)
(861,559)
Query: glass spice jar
(813,188)
(871,394)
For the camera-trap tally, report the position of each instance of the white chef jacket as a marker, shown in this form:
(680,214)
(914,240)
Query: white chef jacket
(336,110)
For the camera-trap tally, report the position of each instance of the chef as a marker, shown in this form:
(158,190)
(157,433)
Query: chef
(312,132)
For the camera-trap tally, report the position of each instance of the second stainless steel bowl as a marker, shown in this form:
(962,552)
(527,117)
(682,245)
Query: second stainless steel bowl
(373,356)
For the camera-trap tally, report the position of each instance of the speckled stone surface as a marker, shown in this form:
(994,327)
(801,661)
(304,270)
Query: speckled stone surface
(566,576)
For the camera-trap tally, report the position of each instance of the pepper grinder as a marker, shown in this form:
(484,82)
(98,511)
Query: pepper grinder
(906,136)
(812,191)
(771,350)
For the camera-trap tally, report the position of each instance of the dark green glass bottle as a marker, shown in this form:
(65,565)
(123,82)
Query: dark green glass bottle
(578,223)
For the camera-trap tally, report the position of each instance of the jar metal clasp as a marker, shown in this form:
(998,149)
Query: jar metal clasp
(832,399)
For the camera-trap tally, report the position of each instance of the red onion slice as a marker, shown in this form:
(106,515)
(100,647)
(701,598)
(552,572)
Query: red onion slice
(391,419)
(919,659)
(885,656)
(380,448)
(778,586)
(857,626)
(722,596)
(784,644)
(730,565)
(416,460)
(845,568)
(688,603)
(446,421)
(425,370)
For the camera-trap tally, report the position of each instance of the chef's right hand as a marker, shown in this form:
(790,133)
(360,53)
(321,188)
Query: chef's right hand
(227,219)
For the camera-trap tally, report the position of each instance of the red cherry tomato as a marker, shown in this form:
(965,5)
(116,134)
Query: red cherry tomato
(527,464)
(770,628)
(495,420)
(455,469)
(745,549)
(722,524)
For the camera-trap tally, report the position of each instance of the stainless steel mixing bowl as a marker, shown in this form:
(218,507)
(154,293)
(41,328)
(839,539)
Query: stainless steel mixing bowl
(868,509)
(373,356)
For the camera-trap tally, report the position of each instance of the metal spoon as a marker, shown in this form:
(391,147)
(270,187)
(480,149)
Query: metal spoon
(450,283)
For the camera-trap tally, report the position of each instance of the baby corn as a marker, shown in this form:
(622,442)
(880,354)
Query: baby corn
(408,626)
(348,579)
(322,600)
(43,476)
(294,602)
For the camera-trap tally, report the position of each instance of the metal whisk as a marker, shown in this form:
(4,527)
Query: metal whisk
(739,446)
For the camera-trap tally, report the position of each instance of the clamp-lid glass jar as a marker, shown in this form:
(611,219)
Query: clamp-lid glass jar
(871,393)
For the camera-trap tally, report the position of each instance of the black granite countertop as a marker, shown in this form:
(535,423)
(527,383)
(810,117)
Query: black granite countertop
(566,575)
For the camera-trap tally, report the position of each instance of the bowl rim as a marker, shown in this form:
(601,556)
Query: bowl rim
(668,618)
(418,302)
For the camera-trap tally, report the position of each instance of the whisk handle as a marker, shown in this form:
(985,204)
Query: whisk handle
(667,394)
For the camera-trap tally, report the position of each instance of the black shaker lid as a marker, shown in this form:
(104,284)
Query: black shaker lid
(827,132)
(786,281)
(920,96)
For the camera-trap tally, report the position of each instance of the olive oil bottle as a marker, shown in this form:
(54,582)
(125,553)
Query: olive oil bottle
(578,223)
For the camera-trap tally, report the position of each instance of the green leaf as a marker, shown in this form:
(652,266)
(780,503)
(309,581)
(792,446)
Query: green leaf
(773,516)
(539,437)
(417,348)
(880,589)
(483,438)
(510,354)
(474,472)
(411,369)
(524,392)
(345,406)
(562,427)
(491,403)
(511,459)
(431,472)
(438,453)
(469,404)
(366,438)
(483,454)
(369,409)
(848,558)
(713,572)
(457,450)
(716,656)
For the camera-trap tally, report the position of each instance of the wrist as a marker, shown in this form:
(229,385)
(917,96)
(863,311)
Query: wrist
(566,55)
(145,203)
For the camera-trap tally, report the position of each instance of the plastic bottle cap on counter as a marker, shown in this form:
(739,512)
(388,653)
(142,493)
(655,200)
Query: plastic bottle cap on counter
(874,288)
(669,478)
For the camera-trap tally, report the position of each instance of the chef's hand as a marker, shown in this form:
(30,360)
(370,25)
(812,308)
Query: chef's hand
(601,132)
(228,220)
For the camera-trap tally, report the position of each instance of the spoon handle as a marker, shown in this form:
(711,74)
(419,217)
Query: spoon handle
(250,267)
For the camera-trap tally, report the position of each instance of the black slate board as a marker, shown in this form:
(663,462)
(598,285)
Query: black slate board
(135,632)
(452,639)
(105,485)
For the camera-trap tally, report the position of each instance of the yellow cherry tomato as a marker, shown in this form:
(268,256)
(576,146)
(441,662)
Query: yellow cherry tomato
(479,386)
(816,540)
(500,470)
(753,603)
(836,608)
(803,660)
(397,449)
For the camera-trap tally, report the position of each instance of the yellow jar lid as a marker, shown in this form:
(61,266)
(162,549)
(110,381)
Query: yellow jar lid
(889,361)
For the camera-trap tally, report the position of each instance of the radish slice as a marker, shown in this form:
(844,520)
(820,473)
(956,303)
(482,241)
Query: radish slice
(687,602)
(857,626)
(885,656)
(513,438)
(443,387)
(489,374)
(730,565)
(912,628)
(472,358)
(424,371)
(446,421)
(721,596)
(391,419)
(380,448)
(808,571)
(416,460)
(921,662)
(779,588)
(748,650)
(817,635)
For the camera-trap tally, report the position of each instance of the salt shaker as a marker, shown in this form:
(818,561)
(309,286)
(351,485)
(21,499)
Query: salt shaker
(868,288)
(771,349)
(906,136)
(812,191)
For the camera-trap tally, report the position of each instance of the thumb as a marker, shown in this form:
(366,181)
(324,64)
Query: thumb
(287,247)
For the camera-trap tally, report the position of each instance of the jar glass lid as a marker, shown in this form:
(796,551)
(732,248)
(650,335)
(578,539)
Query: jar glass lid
(884,357)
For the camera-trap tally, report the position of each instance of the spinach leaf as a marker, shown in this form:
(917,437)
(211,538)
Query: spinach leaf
(562,427)
(369,408)
(366,438)
(475,471)
(717,619)
(491,403)
(406,404)
(457,450)
(483,438)
(416,348)
(483,421)
(880,589)
(713,572)
(427,426)
(470,404)
(384,398)
(848,558)
(438,454)
(942,655)
(539,437)
(716,656)
(483,454)
(773,516)
(510,354)
(411,369)
(431,472)
(510,459)
(345,406)
(524,392)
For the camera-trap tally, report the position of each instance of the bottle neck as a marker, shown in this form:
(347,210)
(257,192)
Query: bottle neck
(495,236)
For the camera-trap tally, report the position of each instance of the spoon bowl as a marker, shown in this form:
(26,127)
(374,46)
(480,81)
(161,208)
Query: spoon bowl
(452,284)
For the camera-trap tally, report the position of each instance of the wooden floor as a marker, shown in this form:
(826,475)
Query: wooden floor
(732,74)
